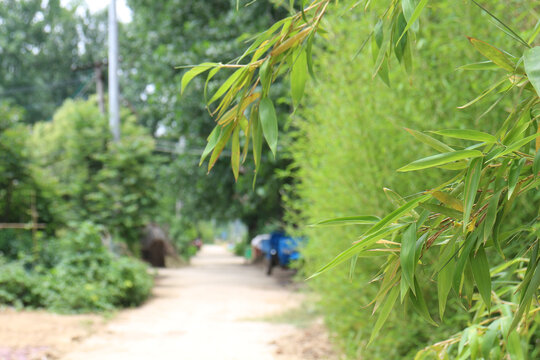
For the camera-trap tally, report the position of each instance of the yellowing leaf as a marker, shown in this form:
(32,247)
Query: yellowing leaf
(493,54)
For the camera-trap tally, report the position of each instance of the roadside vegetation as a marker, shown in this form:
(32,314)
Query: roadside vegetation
(454,233)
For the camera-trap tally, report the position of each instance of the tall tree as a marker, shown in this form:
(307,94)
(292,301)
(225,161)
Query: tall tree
(167,34)
(41,43)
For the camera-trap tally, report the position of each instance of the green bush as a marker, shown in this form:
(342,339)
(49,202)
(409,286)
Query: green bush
(109,183)
(75,273)
(182,233)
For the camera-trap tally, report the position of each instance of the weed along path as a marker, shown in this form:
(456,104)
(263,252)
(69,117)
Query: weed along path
(217,308)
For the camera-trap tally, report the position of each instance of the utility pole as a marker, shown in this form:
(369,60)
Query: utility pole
(114,116)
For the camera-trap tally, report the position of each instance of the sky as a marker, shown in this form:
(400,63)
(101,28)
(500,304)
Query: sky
(122,11)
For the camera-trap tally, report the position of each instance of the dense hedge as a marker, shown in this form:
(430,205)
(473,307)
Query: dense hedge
(349,141)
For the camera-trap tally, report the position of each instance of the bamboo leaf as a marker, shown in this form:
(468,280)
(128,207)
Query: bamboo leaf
(399,26)
(358,248)
(483,94)
(531,60)
(445,274)
(468,135)
(482,65)
(407,256)
(480,269)
(235,152)
(396,214)
(527,296)
(430,141)
(299,75)
(212,141)
(414,16)
(440,159)
(420,305)
(227,84)
(349,220)
(470,241)
(493,54)
(189,75)
(489,221)
(265,76)
(513,175)
(269,124)
(472,179)
(516,145)
(385,311)
(536,163)
(257,136)
(449,200)
(443,210)
(223,139)
(291,42)
(507,30)
(408,7)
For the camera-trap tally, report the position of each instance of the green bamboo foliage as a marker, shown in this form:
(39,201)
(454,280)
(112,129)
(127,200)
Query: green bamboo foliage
(459,220)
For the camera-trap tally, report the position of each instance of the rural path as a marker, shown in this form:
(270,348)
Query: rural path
(214,309)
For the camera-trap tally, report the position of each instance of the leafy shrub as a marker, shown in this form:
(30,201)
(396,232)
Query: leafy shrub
(75,273)
(111,184)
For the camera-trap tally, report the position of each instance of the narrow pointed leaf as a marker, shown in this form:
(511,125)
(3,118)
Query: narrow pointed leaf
(468,135)
(212,141)
(513,175)
(443,210)
(536,163)
(189,75)
(420,305)
(235,152)
(385,311)
(349,220)
(491,216)
(223,139)
(516,145)
(482,65)
(507,30)
(440,159)
(472,179)
(257,136)
(414,16)
(448,200)
(445,274)
(527,297)
(227,85)
(408,7)
(531,60)
(480,269)
(396,214)
(358,248)
(430,141)
(269,124)
(493,54)
(407,256)
(299,75)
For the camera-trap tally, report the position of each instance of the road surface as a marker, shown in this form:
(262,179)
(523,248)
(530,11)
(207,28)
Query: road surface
(217,308)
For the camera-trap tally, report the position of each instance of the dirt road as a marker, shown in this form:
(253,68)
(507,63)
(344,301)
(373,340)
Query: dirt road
(213,309)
